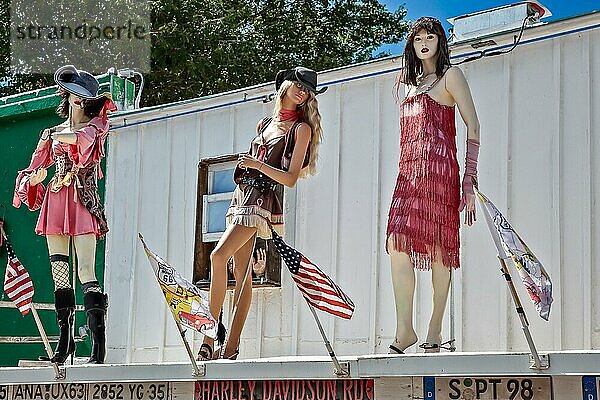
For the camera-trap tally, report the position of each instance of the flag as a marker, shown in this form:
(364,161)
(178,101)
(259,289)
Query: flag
(188,304)
(17,283)
(317,288)
(533,274)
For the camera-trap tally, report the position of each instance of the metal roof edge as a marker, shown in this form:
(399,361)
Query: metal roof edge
(346,73)
(561,363)
(34,100)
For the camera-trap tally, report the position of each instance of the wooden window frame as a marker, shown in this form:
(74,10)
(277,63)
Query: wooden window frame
(206,242)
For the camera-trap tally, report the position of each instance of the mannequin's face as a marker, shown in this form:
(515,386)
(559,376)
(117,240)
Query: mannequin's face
(75,101)
(425,44)
(296,93)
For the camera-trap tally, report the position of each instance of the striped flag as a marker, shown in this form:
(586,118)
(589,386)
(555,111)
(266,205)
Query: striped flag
(17,283)
(317,288)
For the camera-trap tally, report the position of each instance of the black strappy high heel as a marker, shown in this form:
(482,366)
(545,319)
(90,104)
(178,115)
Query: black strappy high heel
(448,345)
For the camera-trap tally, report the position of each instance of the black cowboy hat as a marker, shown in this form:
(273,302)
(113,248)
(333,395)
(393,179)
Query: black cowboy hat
(306,77)
(79,83)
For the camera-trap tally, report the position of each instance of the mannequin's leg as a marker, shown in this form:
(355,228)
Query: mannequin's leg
(85,248)
(440,280)
(233,239)
(64,296)
(94,301)
(403,280)
(242,296)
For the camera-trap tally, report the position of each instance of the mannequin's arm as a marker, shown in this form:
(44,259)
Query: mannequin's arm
(457,86)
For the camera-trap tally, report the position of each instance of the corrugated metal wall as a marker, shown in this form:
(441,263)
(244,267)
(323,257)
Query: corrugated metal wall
(539,155)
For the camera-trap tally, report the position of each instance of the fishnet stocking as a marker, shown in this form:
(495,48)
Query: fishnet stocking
(60,271)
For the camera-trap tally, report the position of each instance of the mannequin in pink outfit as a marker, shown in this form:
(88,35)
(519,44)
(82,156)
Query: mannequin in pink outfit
(423,224)
(71,213)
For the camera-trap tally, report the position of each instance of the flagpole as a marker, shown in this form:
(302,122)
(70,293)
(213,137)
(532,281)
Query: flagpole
(60,374)
(537,362)
(339,370)
(187,348)
(196,370)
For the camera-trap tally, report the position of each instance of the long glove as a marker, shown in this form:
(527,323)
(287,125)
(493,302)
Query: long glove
(469,179)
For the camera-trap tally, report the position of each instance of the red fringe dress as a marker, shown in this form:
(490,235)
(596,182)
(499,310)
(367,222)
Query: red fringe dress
(424,209)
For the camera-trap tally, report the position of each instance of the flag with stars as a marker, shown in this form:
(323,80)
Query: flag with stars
(17,283)
(319,290)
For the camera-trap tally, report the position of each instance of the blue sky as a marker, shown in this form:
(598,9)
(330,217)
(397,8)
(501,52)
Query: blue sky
(443,9)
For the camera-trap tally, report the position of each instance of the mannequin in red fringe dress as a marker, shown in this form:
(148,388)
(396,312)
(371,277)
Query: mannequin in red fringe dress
(424,220)
(71,213)
(283,150)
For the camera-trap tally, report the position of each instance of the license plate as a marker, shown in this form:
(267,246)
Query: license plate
(88,391)
(492,388)
(590,385)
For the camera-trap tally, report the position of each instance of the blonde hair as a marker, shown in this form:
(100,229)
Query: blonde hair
(310,109)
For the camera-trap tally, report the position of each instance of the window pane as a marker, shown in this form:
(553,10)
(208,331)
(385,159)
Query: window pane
(216,215)
(223,181)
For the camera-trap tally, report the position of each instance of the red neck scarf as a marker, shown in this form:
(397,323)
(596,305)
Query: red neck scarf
(285,115)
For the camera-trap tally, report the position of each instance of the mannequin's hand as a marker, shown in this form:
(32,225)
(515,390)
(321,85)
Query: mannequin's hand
(38,176)
(260,264)
(248,161)
(467,200)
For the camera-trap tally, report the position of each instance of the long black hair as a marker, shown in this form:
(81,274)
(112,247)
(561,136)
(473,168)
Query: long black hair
(413,66)
(91,108)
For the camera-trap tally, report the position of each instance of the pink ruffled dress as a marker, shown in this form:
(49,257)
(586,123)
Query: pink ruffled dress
(67,207)
(424,210)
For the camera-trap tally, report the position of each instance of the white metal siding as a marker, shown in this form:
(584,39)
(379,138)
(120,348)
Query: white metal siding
(540,151)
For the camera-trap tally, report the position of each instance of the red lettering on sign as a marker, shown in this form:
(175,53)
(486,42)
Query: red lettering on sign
(277,390)
(251,385)
(321,390)
(348,390)
(224,387)
(331,385)
(266,390)
(214,395)
(312,391)
(231,388)
(300,394)
(358,390)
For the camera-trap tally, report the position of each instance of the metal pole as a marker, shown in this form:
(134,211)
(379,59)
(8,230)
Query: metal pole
(60,374)
(339,371)
(187,347)
(537,364)
(521,312)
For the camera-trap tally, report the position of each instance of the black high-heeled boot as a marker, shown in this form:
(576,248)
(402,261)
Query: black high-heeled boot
(95,304)
(64,302)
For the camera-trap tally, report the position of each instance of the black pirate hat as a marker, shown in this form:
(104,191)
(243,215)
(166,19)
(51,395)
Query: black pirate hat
(79,83)
(306,77)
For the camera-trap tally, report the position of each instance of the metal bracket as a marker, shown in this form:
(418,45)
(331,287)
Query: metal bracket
(200,370)
(343,371)
(544,362)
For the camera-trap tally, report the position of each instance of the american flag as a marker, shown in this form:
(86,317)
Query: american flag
(17,283)
(318,288)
